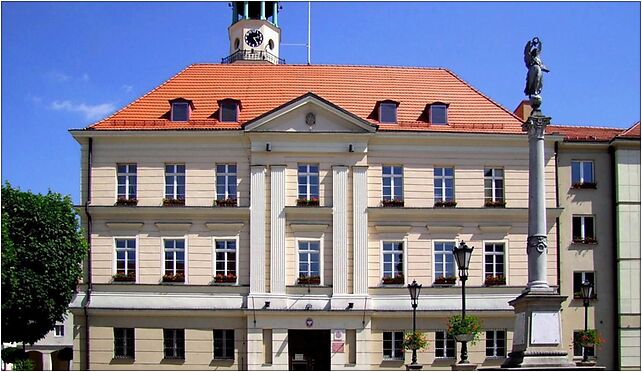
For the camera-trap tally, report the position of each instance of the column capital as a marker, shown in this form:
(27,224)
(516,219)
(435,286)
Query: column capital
(535,125)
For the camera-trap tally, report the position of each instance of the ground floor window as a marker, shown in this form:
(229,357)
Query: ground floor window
(223,344)
(393,345)
(444,345)
(495,343)
(578,350)
(174,343)
(124,343)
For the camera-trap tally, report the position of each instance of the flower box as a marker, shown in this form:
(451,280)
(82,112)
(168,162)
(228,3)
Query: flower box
(587,240)
(465,328)
(584,185)
(494,280)
(124,202)
(392,203)
(229,278)
(225,202)
(392,280)
(495,204)
(446,280)
(176,278)
(309,280)
(445,204)
(312,202)
(121,277)
(173,202)
(589,338)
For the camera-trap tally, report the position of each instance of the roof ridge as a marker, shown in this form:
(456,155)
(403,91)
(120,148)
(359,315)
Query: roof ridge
(140,98)
(329,65)
(483,95)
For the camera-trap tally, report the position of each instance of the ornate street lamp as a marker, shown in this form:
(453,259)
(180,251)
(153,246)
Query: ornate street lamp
(587,292)
(462,257)
(414,290)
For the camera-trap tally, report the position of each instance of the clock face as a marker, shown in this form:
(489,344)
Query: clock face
(253,38)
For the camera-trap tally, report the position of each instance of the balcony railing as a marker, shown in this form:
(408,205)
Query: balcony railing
(253,55)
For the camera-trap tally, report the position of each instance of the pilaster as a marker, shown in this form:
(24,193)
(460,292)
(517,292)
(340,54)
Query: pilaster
(257,229)
(339,230)
(360,229)
(277,229)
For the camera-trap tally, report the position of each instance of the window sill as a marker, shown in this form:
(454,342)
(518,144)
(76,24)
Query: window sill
(122,282)
(233,284)
(582,242)
(172,283)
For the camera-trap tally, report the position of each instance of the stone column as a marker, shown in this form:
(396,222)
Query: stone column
(360,229)
(257,229)
(262,10)
(339,230)
(277,229)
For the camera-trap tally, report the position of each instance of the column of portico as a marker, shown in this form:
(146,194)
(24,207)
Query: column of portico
(360,229)
(257,229)
(339,230)
(277,229)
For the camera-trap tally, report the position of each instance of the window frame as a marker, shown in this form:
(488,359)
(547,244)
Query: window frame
(125,347)
(176,348)
(395,107)
(127,174)
(495,346)
(392,186)
(583,276)
(592,353)
(185,255)
(308,184)
(175,184)
(236,110)
(393,339)
(493,189)
(504,255)
(115,252)
(227,354)
(187,111)
(297,240)
(431,115)
(404,253)
(581,179)
(59,330)
(227,174)
(234,238)
(583,224)
(442,185)
(448,341)
(434,258)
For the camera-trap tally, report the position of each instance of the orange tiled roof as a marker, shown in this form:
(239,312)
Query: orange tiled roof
(632,132)
(584,134)
(357,89)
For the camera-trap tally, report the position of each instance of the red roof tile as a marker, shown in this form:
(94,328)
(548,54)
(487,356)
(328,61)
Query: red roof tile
(357,89)
(632,132)
(583,134)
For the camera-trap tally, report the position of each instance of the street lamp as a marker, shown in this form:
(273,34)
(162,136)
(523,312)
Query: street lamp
(462,257)
(587,292)
(414,290)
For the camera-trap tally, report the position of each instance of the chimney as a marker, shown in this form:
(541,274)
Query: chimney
(523,110)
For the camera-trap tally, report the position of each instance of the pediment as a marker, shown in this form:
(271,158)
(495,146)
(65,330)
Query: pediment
(309,114)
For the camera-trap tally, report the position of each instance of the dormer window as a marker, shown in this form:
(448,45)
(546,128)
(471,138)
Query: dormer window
(181,109)
(229,110)
(438,114)
(388,111)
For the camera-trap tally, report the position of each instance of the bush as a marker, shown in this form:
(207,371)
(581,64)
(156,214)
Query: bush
(11,354)
(24,365)
(471,325)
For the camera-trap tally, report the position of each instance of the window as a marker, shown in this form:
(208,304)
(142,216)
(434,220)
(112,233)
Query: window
(494,259)
(583,229)
(495,343)
(438,114)
(174,257)
(393,345)
(444,184)
(444,345)
(581,172)
(175,181)
(59,330)
(124,346)
(578,278)
(174,342)
(180,111)
(388,112)
(228,110)
(225,257)
(393,260)
(309,258)
(126,257)
(578,350)
(392,179)
(226,182)
(308,181)
(223,344)
(444,260)
(126,175)
(494,186)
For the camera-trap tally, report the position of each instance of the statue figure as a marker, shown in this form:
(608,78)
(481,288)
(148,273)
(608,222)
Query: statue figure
(535,67)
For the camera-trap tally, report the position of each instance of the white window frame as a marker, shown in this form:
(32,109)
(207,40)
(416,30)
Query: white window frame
(115,257)
(231,237)
(404,242)
(175,174)
(445,350)
(495,346)
(434,253)
(445,111)
(582,178)
(392,177)
(225,333)
(307,174)
(321,258)
(226,174)
(442,182)
(127,174)
(395,107)
(583,225)
(162,254)
(393,357)
(505,254)
(493,188)
(61,327)
(174,104)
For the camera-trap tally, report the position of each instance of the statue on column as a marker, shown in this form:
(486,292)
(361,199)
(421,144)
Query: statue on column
(536,68)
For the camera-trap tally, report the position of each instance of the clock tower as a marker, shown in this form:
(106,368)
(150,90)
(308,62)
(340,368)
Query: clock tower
(254,34)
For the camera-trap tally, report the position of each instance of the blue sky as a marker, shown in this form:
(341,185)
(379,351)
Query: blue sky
(67,65)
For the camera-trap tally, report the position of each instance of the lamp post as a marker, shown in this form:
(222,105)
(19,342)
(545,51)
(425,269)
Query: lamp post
(587,292)
(414,290)
(462,257)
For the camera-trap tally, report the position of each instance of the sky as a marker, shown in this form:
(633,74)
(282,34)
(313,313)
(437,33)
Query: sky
(69,64)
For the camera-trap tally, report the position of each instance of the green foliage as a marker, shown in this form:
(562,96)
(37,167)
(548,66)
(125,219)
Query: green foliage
(471,325)
(24,365)
(42,253)
(589,337)
(415,340)
(11,354)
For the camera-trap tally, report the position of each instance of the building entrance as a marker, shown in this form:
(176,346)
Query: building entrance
(309,350)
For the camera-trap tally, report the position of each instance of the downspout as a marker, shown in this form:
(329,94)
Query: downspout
(89,225)
(557,220)
(616,272)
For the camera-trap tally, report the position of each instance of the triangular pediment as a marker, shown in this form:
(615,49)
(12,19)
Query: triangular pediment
(309,113)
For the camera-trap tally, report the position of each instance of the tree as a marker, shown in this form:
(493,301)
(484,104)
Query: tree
(42,252)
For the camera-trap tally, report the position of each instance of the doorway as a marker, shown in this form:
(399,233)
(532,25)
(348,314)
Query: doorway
(309,350)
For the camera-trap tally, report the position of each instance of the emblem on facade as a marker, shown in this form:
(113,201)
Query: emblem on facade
(310,119)
(539,243)
(309,322)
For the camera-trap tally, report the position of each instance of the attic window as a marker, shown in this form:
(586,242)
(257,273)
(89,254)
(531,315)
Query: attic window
(180,109)
(388,112)
(439,114)
(228,110)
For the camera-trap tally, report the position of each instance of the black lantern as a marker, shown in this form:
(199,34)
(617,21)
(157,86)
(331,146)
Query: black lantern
(414,290)
(462,256)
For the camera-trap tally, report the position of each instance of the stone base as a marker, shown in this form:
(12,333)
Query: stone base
(463,367)
(590,363)
(414,367)
(541,359)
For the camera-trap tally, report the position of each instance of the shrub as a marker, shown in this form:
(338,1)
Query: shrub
(470,325)
(24,365)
